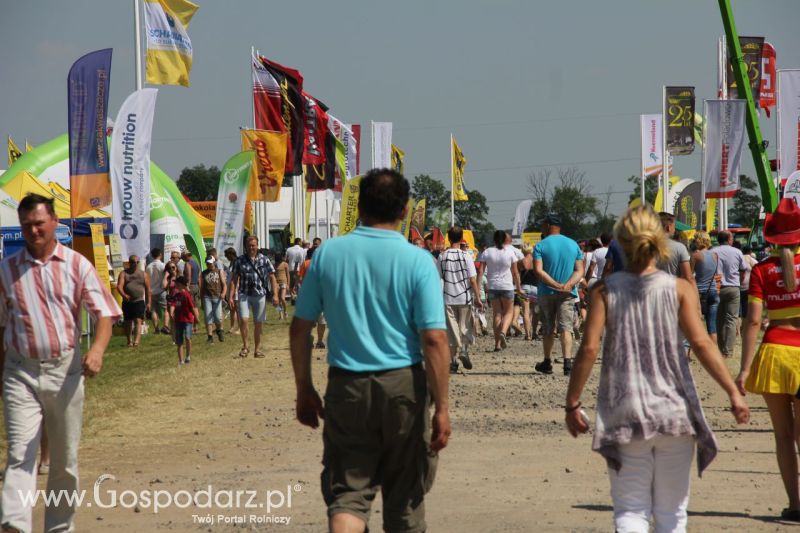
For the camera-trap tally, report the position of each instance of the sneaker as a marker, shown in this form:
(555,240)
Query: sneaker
(503,341)
(165,330)
(454,367)
(567,366)
(464,358)
(545,367)
(220,335)
(210,340)
(187,360)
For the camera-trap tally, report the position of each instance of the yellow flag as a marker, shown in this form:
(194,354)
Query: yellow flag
(348,216)
(169,49)
(28,146)
(398,159)
(269,162)
(418,218)
(13,152)
(459,164)
(405,224)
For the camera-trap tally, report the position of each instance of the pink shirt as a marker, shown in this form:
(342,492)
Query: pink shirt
(40,302)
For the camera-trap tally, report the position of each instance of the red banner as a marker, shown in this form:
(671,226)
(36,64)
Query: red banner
(769,77)
(267,99)
(316,128)
(290,82)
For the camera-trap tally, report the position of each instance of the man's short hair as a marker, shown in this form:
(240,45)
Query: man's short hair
(383,195)
(297,241)
(155,253)
(230,251)
(31,200)
(605,238)
(316,239)
(666,217)
(724,236)
(211,251)
(455,234)
(250,239)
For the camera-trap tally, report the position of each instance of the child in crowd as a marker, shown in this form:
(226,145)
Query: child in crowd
(185,317)
(282,277)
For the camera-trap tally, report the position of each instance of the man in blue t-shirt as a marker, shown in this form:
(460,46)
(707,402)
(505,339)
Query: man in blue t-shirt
(382,298)
(558,262)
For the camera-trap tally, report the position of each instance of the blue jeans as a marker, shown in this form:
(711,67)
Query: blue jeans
(212,308)
(709,303)
(259,305)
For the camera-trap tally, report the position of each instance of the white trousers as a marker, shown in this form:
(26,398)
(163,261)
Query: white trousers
(31,390)
(652,483)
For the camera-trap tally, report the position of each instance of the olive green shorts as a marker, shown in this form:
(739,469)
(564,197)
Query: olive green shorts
(377,436)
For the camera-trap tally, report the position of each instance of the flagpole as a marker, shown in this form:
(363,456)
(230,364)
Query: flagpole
(137,28)
(641,161)
(723,65)
(372,135)
(452,185)
(704,205)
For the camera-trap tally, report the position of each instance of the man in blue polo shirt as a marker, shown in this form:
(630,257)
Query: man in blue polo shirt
(382,298)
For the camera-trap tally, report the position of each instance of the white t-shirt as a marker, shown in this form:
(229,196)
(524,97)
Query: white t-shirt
(599,260)
(295,256)
(456,268)
(498,268)
(517,252)
(156,272)
(587,261)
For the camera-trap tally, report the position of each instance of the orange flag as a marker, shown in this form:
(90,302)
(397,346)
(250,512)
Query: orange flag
(269,161)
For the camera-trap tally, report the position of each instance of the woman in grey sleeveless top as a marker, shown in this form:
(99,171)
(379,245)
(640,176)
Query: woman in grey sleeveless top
(649,417)
(703,263)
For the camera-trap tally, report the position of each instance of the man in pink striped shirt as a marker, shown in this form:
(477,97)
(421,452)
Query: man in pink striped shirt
(42,289)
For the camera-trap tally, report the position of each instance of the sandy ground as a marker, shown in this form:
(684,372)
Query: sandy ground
(511,465)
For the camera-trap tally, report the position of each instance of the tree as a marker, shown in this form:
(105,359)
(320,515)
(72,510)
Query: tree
(566,192)
(199,183)
(650,188)
(746,206)
(470,214)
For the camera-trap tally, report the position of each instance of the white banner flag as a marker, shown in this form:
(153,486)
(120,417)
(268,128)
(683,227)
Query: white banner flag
(234,181)
(789,120)
(792,188)
(381,145)
(724,139)
(521,217)
(130,172)
(651,144)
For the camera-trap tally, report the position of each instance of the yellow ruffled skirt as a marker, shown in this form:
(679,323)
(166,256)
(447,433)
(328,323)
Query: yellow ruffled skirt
(775,369)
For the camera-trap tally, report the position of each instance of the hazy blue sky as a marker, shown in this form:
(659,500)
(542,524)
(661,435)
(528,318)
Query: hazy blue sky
(522,84)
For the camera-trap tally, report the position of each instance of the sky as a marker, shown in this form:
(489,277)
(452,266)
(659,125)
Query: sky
(523,85)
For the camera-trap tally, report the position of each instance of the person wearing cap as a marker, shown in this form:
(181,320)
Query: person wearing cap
(558,262)
(212,291)
(774,370)
(133,285)
(732,268)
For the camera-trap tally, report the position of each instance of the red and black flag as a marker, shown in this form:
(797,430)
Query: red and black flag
(320,155)
(290,83)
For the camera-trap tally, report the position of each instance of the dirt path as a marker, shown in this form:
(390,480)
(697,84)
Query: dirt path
(511,466)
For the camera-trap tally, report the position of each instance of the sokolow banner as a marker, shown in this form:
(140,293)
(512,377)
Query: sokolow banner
(725,137)
(232,201)
(87,98)
(381,145)
(789,119)
(130,172)
(679,116)
(651,145)
(521,217)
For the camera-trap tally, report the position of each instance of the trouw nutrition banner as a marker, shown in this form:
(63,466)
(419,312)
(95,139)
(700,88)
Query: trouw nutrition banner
(232,202)
(130,172)
(725,137)
(87,96)
(651,145)
(751,50)
(679,115)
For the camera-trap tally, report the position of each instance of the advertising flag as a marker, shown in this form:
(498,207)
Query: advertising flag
(234,183)
(751,50)
(13,151)
(344,137)
(769,78)
(398,159)
(405,224)
(459,164)
(679,115)
(381,145)
(87,96)
(357,138)
(789,113)
(792,188)
(268,149)
(130,172)
(267,99)
(166,220)
(651,145)
(724,138)
(169,49)
(418,218)
(316,128)
(521,217)
(293,108)
(348,215)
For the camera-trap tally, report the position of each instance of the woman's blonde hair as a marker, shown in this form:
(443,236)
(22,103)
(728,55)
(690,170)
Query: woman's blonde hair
(786,254)
(527,249)
(642,238)
(701,241)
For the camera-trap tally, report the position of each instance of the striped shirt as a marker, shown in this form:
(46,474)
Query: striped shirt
(40,302)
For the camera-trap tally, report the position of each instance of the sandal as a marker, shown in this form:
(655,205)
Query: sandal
(243,352)
(259,354)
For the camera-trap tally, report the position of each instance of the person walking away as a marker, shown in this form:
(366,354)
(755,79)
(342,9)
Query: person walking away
(614,259)
(649,416)
(192,274)
(528,283)
(388,356)
(461,293)
(500,265)
(295,255)
(282,277)
(558,262)
(704,263)
(158,303)
(732,268)
(230,256)
(185,315)
(321,323)
(677,262)
(772,371)
(598,261)
(212,291)
(253,278)
(750,259)
(133,285)
(44,370)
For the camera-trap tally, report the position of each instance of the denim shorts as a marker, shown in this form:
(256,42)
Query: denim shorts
(495,294)
(259,305)
(531,291)
(212,308)
(183,330)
